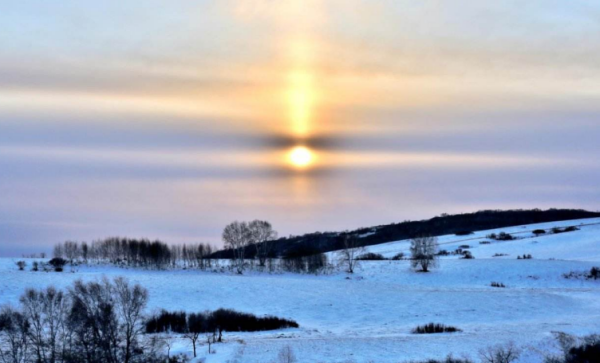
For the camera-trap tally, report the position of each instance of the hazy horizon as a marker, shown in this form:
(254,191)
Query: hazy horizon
(169,120)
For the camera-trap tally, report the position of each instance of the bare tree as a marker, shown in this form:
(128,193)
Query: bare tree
(236,236)
(350,251)
(196,324)
(500,354)
(14,330)
(423,252)
(131,302)
(46,312)
(262,236)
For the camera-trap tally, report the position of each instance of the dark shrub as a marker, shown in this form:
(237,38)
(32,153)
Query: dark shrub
(21,265)
(485,242)
(587,353)
(433,328)
(398,256)
(58,263)
(537,232)
(595,273)
(443,253)
(35,266)
(179,358)
(497,284)
(464,247)
(525,257)
(463,233)
(556,230)
(222,320)
(571,229)
(467,255)
(370,256)
(499,255)
(231,320)
(504,237)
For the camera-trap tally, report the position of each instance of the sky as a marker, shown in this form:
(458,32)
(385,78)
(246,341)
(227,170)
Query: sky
(170,119)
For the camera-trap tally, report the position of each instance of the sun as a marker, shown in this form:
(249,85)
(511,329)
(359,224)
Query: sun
(301,157)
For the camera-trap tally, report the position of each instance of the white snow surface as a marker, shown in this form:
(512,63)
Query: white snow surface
(368,316)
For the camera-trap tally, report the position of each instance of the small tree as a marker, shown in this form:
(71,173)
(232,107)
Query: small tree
(351,249)
(21,265)
(196,324)
(423,252)
(210,339)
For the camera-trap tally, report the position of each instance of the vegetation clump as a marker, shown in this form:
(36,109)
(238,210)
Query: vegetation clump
(593,274)
(502,236)
(433,328)
(21,265)
(58,263)
(220,320)
(398,256)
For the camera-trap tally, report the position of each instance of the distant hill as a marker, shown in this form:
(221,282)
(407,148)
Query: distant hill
(319,242)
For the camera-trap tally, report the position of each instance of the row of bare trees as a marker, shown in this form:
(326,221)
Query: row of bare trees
(135,253)
(92,322)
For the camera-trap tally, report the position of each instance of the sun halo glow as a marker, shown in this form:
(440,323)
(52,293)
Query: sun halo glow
(301,157)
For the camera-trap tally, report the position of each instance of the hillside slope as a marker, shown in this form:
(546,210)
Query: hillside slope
(318,242)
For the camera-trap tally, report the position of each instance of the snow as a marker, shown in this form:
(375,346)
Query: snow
(368,316)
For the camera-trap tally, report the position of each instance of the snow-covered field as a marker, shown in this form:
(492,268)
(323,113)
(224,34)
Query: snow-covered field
(368,316)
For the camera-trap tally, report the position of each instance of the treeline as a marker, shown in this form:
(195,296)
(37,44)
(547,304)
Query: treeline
(320,242)
(213,324)
(135,253)
(255,243)
(216,321)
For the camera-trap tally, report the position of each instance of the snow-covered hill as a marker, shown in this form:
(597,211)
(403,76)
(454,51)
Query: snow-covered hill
(368,316)
(582,245)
